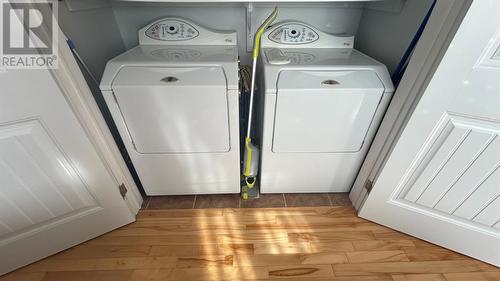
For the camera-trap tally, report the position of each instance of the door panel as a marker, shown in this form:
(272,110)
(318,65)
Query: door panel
(39,182)
(174,109)
(441,182)
(316,111)
(56,191)
(455,172)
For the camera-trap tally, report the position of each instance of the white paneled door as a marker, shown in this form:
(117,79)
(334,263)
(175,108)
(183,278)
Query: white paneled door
(55,190)
(442,181)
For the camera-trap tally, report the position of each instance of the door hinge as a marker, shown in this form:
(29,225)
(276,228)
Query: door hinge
(368,186)
(123,190)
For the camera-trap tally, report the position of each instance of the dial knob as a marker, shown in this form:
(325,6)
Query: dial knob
(171,29)
(293,33)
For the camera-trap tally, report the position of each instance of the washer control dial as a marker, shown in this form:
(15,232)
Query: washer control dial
(172,30)
(292,34)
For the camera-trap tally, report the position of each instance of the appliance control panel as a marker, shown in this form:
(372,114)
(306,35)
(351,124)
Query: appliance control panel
(293,33)
(171,30)
(180,31)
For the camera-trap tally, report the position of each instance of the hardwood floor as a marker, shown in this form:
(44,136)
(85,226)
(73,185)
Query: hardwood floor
(324,243)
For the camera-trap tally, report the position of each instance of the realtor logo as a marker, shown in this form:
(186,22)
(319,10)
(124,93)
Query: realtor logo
(29,34)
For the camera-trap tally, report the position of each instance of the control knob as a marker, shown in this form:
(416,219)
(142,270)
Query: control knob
(172,29)
(294,33)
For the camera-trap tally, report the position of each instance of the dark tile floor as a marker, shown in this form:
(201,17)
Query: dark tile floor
(235,201)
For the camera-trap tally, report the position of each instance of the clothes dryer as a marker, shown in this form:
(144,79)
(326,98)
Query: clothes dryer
(174,99)
(321,102)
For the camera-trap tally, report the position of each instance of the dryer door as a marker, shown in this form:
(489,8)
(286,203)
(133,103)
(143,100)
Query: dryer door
(324,111)
(174,109)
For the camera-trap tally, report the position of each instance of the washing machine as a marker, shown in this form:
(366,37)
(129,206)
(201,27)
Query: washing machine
(174,100)
(321,102)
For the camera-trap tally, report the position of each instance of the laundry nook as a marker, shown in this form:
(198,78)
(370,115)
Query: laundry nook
(236,140)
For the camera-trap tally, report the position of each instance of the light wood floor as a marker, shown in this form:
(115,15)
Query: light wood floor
(328,243)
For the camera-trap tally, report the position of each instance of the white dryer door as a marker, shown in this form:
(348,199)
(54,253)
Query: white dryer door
(324,111)
(174,109)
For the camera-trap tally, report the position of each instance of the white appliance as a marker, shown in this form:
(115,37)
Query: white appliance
(321,102)
(174,99)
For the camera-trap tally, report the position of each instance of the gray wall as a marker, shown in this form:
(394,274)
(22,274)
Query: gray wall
(330,17)
(383,29)
(385,33)
(94,33)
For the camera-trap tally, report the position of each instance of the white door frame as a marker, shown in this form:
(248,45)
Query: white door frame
(78,95)
(440,30)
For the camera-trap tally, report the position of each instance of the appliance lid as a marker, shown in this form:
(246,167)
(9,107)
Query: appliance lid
(326,81)
(225,57)
(135,76)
